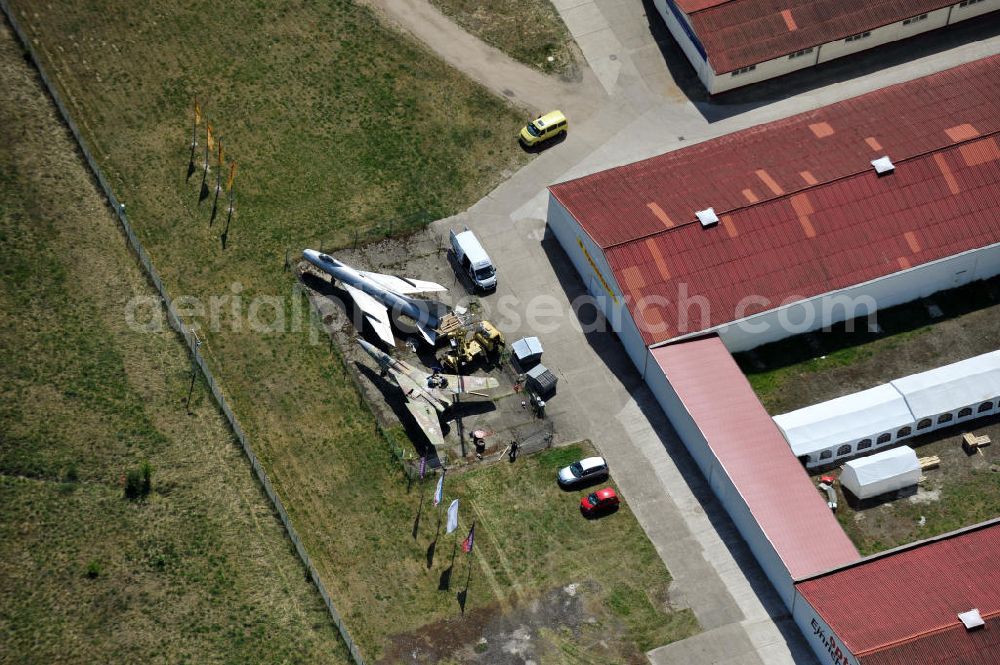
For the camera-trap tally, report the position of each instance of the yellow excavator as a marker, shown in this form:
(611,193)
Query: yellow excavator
(466,343)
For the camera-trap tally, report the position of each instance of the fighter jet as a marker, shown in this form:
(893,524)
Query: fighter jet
(375,294)
(428,394)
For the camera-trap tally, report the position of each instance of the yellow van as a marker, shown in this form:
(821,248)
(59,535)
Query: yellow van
(543,128)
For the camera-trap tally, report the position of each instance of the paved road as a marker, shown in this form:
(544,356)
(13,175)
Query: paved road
(648,102)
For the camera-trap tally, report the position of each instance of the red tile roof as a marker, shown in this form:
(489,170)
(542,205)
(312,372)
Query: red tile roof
(691,6)
(902,607)
(949,646)
(802,210)
(751,450)
(736,33)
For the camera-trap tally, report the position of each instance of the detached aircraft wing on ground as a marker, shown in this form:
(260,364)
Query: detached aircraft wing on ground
(427,419)
(428,394)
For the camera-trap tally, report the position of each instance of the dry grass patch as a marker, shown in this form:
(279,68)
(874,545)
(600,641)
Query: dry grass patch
(530,31)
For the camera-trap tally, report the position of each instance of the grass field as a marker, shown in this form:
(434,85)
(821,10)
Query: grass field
(200,571)
(338,125)
(530,31)
(531,538)
(963,491)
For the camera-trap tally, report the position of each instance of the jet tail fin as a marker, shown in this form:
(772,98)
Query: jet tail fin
(429,334)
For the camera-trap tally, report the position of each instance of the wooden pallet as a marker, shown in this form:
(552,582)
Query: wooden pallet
(931,462)
(450,324)
(973,443)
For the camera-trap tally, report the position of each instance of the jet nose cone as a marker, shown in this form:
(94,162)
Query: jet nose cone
(370,348)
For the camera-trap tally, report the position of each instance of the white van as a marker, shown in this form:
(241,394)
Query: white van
(473,259)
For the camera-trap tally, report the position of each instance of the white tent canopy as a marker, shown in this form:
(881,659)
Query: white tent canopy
(846,419)
(966,383)
(886,471)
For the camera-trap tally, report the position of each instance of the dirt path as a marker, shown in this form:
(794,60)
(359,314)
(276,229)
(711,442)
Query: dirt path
(487,65)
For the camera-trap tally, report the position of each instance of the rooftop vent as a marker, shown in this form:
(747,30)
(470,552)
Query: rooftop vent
(707,217)
(971,619)
(883,165)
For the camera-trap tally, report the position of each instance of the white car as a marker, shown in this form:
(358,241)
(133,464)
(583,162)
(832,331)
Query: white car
(586,471)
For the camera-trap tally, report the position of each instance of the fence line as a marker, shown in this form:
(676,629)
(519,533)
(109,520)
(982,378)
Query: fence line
(188,336)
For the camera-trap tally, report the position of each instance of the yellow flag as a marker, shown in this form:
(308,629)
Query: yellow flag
(211,141)
(222,159)
(232,176)
(197,112)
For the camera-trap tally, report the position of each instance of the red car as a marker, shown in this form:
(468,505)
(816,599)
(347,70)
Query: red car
(598,502)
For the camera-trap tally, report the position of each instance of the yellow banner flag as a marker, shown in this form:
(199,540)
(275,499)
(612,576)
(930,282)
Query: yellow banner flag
(232,176)
(208,134)
(222,159)
(197,112)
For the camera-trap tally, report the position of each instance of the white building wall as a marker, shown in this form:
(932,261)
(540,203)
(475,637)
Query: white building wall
(720,482)
(837,306)
(571,236)
(970,9)
(829,649)
(935,19)
(716,82)
(763,71)
(889,33)
(676,22)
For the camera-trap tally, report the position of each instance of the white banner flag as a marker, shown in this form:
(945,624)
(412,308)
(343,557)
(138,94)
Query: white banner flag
(439,490)
(452,516)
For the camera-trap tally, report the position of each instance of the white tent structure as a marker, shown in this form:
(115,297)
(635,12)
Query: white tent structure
(887,471)
(845,426)
(961,391)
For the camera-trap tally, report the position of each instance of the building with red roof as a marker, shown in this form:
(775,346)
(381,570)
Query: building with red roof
(895,608)
(808,232)
(903,606)
(732,43)
(788,526)
(774,231)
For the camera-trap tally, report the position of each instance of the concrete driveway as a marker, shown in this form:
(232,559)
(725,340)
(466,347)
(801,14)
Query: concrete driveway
(652,103)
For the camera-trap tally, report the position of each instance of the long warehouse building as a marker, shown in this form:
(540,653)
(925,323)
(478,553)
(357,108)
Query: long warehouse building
(809,233)
(732,43)
(774,231)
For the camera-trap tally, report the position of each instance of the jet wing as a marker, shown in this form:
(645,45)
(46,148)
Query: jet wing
(403,285)
(374,311)
(427,418)
(468,384)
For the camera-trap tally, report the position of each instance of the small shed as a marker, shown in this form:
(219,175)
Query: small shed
(887,471)
(541,381)
(527,351)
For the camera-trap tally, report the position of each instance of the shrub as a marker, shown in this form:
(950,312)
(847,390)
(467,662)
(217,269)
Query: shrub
(139,481)
(93,569)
